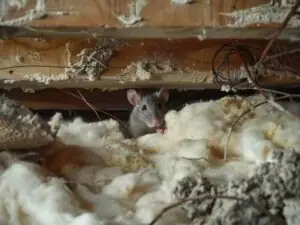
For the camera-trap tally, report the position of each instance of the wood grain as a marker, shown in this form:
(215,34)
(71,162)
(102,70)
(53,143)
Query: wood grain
(105,101)
(41,63)
(160,19)
(156,13)
(24,58)
(66,99)
(263,32)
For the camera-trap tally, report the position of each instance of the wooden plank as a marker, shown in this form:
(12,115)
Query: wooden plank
(70,99)
(31,87)
(155,13)
(206,33)
(57,63)
(207,19)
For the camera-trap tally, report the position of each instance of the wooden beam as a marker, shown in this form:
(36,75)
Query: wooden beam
(31,87)
(153,13)
(210,19)
(34,64)
(206,33)
(70,99)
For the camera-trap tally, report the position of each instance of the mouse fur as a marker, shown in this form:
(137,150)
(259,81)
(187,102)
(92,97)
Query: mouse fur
(148,113)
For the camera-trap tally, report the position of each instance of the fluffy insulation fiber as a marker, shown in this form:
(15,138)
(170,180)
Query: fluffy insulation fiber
(97,177)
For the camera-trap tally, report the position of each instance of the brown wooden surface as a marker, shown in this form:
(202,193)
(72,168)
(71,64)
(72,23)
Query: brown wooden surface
(37,64)
(30,87)
(161,19)
(70,99)
(203,33)
(158,13)
(66,98)
(188,53)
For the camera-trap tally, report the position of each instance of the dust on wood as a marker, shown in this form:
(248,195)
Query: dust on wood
(157,13)
(61,62)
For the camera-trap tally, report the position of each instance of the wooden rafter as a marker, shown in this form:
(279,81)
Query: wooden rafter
(53,44)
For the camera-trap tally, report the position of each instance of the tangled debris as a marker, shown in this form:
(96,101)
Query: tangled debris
(269,196)
(265,13)
(93,61)
(38,12)
(46,79)
(20,128)
(134,17)
(145,69)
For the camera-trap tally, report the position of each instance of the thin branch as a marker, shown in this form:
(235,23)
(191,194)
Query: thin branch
(94,108)
(282,54)
(195,159)
(88,104)
(202,198)
(257,86)
(283,67)
(244,114)
(277,33)
(281,93)
(235,122)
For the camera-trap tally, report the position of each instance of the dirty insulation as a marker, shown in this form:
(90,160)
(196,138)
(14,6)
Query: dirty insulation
(91,175)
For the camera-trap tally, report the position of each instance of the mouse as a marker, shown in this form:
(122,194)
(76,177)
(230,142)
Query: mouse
(148,113)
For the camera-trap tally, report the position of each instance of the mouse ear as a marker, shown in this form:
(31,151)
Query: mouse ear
(163,93)
(133,97)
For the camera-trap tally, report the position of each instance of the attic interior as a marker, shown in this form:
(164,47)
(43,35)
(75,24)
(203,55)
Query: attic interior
(150,112)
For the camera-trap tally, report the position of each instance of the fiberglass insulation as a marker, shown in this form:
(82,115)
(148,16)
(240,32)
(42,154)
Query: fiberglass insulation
(118,181)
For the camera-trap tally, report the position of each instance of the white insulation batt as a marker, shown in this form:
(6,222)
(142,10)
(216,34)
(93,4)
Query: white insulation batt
(136,178)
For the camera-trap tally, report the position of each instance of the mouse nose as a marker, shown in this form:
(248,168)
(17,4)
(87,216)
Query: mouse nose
(156,122)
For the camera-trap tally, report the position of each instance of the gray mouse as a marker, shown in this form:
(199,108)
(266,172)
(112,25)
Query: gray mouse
(148,113)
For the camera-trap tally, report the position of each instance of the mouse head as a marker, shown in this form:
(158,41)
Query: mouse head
(150,108)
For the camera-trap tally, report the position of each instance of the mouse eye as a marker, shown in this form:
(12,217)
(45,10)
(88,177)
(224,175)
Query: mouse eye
(144,107)
(159,105)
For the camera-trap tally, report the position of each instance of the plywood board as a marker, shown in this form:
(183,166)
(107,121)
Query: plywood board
(147,18)
(110,63)
(94,13)
(71,99)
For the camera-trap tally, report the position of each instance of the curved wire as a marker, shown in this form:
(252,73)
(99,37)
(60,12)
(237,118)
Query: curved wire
(228,49)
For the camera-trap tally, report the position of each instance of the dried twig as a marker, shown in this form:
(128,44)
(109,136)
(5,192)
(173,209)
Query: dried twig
(281,93)
(257,86)
(277,33)
(282,54)
(88,104)
(244,114)
(94,108)
(202,198)
(235,122)
(195,159)
(286,69)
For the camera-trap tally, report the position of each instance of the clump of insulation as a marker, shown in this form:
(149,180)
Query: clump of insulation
(122,181)
(258,200)
(145,70)
(105,139)
(20,128)
(262,14)
(253,138)
(93,61)
(29,196)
